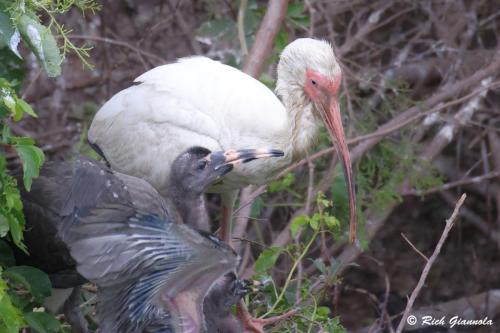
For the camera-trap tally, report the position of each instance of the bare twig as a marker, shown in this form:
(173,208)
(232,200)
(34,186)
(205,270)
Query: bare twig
(447,186)
(159,59)
(242,219)
(449,224)
(191,42)
(364,30)
(414,247)
(472,218)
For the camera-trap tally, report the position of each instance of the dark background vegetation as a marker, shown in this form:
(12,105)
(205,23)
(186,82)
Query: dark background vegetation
(424,74)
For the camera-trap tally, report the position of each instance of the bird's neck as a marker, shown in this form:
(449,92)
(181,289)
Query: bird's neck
(303,121)
(192,210)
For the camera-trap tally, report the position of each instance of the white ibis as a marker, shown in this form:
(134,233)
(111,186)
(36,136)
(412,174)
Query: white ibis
(200,102)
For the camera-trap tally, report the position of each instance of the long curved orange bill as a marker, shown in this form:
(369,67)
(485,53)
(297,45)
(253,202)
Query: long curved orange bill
(333,121)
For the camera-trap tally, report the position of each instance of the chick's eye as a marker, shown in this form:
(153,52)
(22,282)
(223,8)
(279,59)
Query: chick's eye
(202,164)
(313,82)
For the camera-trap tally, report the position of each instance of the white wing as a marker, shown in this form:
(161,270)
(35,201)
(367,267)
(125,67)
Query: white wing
(196,101)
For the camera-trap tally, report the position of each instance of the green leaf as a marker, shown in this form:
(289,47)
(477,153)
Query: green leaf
(8,99)
(298,223)
(314,221)
(331,222)
(267,259)
(23,107)
(322,201)
(9,36)
(33,279)
(20,302)
(42,322)
(41,41)
(11,320)
(32,158)
(16,226)
(6,255)
(5,135)
(323,311)
(12,69)
(4,225)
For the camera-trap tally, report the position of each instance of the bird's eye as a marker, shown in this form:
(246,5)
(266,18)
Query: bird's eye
(202,164)
(313,82)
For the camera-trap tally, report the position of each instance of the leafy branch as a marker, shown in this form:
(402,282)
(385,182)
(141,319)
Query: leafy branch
(310,314)
(22,288)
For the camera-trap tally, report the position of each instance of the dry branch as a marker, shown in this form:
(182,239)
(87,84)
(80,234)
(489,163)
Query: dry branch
(444,94)
(449,224)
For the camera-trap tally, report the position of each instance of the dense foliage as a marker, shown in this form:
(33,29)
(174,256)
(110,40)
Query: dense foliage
(23,288)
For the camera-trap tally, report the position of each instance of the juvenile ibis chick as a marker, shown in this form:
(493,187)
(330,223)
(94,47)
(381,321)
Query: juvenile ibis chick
(200,102)
(152,275)
(194,170)
(63,189)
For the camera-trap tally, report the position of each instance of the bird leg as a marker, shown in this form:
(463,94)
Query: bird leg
(228,201)
(256,325)
(225,226)
(73,313)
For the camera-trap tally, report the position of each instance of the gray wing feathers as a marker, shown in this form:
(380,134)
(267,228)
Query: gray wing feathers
(145,198)
(117,243)
(129,255)
(93,184)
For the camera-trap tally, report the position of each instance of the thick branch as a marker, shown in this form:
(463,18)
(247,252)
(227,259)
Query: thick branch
(263,45)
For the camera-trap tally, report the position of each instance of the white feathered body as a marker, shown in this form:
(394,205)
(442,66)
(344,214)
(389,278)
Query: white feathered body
(199,102)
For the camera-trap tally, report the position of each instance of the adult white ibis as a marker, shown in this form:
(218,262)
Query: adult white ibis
(63,189)
(200,102)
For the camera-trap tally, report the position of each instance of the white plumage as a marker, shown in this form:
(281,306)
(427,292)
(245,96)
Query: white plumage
(200,102)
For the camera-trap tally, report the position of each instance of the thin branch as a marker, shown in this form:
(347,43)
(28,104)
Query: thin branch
(120,43)
(414,247)
(460,182)
(449,224)
(186,31)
